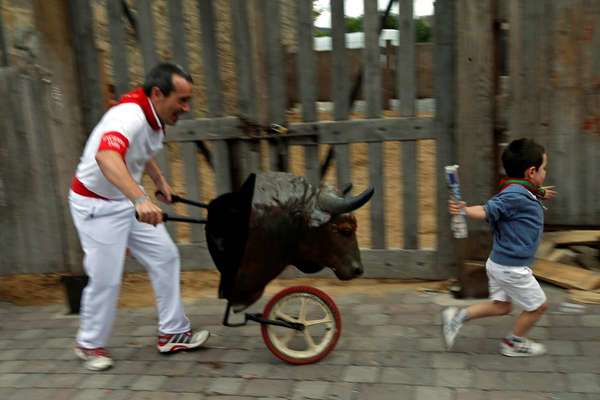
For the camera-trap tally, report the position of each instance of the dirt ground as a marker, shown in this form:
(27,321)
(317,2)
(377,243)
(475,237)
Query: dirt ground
(44,289)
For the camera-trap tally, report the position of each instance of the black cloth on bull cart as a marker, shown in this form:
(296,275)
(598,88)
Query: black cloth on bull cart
(251,232)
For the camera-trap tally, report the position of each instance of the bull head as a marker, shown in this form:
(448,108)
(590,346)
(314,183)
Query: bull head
(331,241)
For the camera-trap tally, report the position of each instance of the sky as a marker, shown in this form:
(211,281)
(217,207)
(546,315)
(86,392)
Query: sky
(354,8)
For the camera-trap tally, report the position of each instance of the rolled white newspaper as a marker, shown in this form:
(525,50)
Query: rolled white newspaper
(458,223)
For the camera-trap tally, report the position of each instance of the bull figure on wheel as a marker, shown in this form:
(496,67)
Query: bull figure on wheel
(277,219)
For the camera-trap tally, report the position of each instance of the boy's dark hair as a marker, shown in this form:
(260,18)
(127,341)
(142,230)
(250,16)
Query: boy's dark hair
(520,155)
(161,76)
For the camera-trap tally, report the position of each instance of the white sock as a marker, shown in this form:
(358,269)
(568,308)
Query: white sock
(462,316)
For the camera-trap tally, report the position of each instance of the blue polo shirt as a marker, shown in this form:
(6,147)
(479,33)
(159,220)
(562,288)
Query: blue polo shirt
(516,217)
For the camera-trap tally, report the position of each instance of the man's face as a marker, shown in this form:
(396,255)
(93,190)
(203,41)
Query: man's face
(177,102)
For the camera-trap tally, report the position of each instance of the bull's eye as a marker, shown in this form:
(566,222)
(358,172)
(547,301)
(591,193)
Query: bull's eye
(346,232)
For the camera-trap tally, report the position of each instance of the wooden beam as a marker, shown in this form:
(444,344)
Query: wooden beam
(116,30)
(405,56)
(146,34)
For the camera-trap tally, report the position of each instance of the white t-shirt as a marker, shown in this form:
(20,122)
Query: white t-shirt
(130,128)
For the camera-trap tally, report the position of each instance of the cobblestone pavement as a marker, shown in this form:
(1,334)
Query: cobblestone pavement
(390,349)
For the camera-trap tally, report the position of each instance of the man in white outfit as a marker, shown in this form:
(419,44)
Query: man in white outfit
(105,195)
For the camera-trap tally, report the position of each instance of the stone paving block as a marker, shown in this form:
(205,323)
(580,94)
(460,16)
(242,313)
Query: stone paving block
(454,378)
(229,386)
(584,383)
(395,331)
(11,366)
(433,393)
(236,356)
(360,374)
(364,343)
(498,362)
(193,384)
(471,394)
(214,369)
(157,396)
(6,393)
(148,382)
(312,372)
(431,344)
(375,319)
(337,357)
(408,376)
(449,360)
(59,343)
(472,331)
(266,388)
(520,396)
(170,368)
(366,358)
(489,380)
(12,355)
(568,396)
(417,359)
(592,321)
(578,364)
(536,381)
(590,348)
(108,381)
(130,367)
(250,371)
(310,390)
(403,344)
(341,391)
(101,394)
(573,333)
(562,347)
(41,394)
(385,392)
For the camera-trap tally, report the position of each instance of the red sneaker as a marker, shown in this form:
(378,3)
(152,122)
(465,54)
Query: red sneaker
(96,359)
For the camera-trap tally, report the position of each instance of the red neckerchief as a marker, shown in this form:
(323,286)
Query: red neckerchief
(536,190)
(138,97)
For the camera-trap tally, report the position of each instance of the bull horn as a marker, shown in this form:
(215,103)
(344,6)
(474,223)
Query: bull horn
(332,203)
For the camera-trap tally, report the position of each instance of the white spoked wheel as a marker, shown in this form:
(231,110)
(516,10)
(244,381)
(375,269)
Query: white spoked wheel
(310,307)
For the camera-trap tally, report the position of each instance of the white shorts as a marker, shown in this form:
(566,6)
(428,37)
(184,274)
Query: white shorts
(514,284)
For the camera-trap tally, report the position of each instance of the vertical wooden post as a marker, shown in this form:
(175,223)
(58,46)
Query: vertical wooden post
(445,98)
(476,103)
(3,50)
(116,30)
(146,32)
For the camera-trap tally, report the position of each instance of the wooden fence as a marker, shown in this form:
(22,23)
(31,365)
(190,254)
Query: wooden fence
(234,153)
(36,233)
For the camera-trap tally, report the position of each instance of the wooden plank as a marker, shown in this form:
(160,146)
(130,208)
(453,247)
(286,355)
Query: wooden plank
(410,195)
(276,93)
(572,237)
(306,61)
(3,49)
(88,68)
(585,296)
(306,84)
(405,56)
(192,187)
(340,78)
(116,31)
(566,275)
(329,132)
(445,100)
(11,229)
(376,203)
(222,167)
(177,27)
(210,58)
(340,72)
(244,66)
(372,71)
(146,34)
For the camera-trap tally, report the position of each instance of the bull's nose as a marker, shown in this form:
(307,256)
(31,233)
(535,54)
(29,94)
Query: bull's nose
(357,269)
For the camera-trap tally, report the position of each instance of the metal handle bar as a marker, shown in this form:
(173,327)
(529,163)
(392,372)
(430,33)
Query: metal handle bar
(177,218)
(178,199)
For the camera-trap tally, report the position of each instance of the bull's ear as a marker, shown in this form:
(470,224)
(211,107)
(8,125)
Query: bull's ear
(318,218)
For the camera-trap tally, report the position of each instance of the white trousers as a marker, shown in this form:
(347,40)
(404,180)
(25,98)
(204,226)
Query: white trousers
(106,229)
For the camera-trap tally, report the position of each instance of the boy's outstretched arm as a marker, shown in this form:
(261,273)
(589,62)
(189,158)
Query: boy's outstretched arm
(473,212)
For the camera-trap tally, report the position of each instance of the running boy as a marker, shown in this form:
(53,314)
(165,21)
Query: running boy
(516,217)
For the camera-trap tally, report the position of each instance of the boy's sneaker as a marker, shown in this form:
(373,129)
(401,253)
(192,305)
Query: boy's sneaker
(96,359)
(171,343)
(521,347)
(450,326)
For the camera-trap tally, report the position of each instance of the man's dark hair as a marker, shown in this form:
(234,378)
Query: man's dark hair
(520,155)
(161,76)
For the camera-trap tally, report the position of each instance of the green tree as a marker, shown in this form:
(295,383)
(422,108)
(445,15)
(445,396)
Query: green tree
(354,24)
(422,31)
